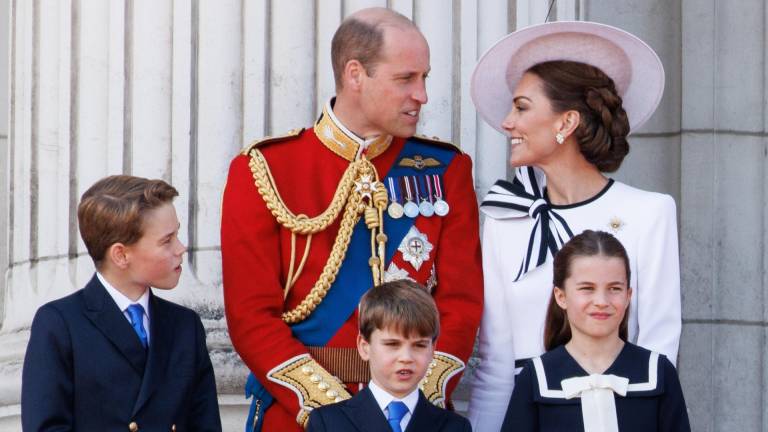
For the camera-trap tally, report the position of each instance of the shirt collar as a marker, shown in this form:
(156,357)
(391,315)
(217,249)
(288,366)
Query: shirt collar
(383,398)
(340,140)
(122,301)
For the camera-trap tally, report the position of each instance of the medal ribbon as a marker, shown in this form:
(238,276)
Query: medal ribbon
(429,189)
(438,186)
(392,193)
(409,195)
(416,189)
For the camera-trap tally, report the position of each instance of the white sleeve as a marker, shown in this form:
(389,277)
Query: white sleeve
(494,377)
(658,283)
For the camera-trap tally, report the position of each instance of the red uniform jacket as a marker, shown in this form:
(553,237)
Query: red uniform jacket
(256,253)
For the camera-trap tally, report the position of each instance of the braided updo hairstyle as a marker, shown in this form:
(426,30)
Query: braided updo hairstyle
(602,132)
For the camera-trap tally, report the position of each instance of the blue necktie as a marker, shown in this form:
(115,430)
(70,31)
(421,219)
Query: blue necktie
(396,410)
(136,313)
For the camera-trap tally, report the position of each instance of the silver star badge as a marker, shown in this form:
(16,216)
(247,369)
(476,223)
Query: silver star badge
(394,273)
(365,186)
(415,248)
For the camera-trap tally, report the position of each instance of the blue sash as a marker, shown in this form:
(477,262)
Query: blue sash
(354,277)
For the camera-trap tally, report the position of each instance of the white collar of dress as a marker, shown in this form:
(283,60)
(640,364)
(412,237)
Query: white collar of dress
(640,366)
(525,197)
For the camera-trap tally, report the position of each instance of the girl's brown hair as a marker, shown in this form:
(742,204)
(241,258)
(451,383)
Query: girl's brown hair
(557,330)
(604,126)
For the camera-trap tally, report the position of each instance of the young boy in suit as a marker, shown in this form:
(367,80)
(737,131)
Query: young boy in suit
(113,356)
(399,325)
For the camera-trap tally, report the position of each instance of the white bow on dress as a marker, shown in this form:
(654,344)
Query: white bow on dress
(598,406)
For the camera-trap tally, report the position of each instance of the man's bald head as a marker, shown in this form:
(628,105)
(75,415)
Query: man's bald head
(361,37)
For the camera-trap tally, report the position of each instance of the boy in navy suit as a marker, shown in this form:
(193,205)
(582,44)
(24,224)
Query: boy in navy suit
(113,356)
(399,325)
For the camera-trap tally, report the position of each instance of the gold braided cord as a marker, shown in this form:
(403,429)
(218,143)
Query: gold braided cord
(353,206)
(303,259)
(293,272)
(265,183)
(294,276)
(331,268)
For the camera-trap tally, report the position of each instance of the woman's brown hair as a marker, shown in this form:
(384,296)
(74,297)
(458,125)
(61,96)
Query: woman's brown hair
(557,330)
(603,129)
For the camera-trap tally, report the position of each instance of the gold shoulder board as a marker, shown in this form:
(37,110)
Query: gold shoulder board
(271,139)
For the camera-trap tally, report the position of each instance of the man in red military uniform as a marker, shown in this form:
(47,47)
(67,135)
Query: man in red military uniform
(314,218)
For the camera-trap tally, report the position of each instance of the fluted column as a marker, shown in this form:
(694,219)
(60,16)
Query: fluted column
(172,89)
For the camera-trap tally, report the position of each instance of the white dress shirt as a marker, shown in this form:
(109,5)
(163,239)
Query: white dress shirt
(123,302)
(383,399)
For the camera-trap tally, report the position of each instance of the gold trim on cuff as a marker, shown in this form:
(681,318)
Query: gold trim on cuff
(313,385)
(443,367)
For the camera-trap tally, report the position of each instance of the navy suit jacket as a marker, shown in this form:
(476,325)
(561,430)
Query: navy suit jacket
(362,413)
(86,370)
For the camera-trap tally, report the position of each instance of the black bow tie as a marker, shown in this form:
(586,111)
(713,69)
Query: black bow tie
(524,197)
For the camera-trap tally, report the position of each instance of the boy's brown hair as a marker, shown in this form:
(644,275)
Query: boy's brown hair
(112,211)
(403,306)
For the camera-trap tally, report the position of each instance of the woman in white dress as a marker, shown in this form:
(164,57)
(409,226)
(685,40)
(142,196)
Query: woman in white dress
(566,94)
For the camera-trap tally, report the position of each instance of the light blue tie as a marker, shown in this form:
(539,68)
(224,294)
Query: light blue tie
(136,313)
(396,410)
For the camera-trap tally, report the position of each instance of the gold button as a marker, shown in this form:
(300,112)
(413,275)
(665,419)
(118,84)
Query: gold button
(133,427)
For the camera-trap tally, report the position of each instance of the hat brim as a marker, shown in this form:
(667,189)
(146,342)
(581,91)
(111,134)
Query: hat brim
(631,63)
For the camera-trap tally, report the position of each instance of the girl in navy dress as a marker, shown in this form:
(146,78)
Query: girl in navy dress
(591,379)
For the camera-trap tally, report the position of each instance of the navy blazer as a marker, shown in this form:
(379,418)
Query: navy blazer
(362,413)
(85,368)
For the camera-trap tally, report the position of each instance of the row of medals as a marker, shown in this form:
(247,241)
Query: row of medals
(426,208)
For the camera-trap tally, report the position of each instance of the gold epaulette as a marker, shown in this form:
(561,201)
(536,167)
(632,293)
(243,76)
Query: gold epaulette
(438,142)
(271,139)
(313,385)
(443,367)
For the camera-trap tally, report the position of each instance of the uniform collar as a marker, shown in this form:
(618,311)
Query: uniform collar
(340,140)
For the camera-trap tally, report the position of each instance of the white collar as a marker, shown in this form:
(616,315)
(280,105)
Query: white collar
(122,301)
(383,398)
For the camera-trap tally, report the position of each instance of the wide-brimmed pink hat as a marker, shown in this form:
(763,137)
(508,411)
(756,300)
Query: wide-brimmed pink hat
(631,63)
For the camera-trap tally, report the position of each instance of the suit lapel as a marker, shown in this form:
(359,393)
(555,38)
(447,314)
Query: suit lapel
(426,416)
(107,317)
(161,333)
(364,412)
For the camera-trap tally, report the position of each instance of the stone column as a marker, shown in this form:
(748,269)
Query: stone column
(724,352)
(173,89)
